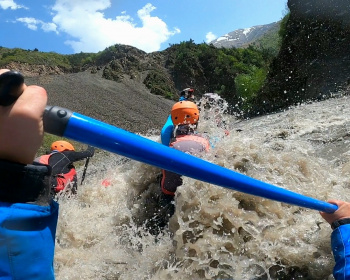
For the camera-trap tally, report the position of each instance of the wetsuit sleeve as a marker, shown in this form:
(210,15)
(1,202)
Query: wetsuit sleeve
(76,156)
(25,183)
(166,132)
(340,241)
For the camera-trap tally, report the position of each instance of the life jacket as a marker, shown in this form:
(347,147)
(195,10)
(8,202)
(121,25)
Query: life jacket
(191,137)
(166,132)
(170,180)
(28,234)
(43,159)
(63,179)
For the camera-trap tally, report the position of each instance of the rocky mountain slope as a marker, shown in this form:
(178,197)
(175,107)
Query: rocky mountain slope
(126,104)
(123,85)
(203,67)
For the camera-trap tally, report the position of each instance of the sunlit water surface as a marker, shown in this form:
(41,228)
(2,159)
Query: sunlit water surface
(216,233)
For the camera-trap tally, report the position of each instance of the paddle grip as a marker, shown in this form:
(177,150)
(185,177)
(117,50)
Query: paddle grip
(56,119)
(9,84)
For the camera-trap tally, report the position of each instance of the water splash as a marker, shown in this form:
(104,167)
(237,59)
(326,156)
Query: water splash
(215,233)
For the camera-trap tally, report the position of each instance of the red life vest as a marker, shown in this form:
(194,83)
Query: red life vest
(63,179)
(192,137)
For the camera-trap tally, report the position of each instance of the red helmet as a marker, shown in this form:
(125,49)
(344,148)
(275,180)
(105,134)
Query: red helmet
(61,146)
(184,112)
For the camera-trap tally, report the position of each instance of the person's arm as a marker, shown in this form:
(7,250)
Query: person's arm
(21,124)
(167,131)
(340,238)
(21,134)
(76,156)
(28,213)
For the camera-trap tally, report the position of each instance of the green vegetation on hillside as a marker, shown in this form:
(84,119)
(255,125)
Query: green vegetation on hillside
(159,84)
(33,57)
(270,42)
(236,74)
(50,59)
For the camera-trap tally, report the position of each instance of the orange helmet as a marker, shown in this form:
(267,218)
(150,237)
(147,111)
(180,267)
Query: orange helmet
(62,146)
(184,112)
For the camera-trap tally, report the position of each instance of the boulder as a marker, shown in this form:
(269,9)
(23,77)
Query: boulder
(314,59)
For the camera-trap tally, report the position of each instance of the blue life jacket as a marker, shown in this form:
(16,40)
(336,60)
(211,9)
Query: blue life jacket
(340,241)
(27,241)
(166,132)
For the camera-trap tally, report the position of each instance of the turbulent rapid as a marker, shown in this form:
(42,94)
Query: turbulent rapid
(216,233)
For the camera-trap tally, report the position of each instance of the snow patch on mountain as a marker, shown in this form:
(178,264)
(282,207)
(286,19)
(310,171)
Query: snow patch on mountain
(243,37)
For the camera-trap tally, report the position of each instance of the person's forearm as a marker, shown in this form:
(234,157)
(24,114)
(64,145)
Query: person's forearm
(76,156)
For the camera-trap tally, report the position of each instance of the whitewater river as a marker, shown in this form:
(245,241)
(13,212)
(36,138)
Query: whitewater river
(216,233)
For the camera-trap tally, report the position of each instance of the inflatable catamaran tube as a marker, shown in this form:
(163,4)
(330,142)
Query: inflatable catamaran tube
(63,122)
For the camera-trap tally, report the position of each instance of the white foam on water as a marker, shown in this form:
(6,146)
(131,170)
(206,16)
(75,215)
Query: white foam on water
(215,233)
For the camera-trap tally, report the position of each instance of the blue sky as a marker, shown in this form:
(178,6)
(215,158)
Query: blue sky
(73,26)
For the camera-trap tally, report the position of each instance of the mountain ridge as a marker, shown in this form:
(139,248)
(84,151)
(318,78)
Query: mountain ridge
(253,80)
(245,36)
(203,67)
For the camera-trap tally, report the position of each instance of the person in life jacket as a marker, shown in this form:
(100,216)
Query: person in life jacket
(340,238)
(186,94)
(185,117)
(61,160)
(29,215)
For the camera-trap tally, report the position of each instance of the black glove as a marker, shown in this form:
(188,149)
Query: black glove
(91,150)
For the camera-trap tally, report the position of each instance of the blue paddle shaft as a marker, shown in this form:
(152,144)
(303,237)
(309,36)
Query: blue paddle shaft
(110,138)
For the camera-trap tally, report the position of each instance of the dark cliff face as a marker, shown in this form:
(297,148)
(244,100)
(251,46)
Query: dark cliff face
(314,60)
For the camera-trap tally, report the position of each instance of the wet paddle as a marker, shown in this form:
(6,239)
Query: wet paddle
(84,171)
(63,122)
